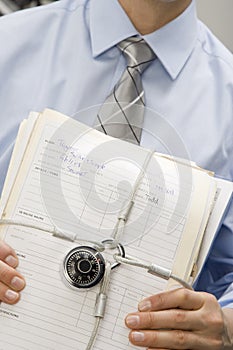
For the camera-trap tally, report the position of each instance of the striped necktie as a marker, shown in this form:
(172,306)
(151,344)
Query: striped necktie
(119,116)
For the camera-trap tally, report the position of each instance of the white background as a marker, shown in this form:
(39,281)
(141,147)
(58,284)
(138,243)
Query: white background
(218,15)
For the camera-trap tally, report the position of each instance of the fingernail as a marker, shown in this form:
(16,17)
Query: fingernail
(11,260)
(144,305)
(17,283)
(138,336)
(11,295)
(133,320)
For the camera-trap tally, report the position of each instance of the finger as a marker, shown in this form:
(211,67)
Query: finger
(10,277)
(175,340)
(173,299)
(166,319)
(7,295)
(166,339)
(8,255)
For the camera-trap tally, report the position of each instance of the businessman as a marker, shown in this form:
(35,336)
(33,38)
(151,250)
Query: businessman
(65,56)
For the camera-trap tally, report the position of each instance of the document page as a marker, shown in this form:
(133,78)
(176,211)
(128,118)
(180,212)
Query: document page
(23,137)
(80,181)
(222,199)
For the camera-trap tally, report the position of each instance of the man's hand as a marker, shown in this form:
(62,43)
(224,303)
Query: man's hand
(11,281)
(179,319)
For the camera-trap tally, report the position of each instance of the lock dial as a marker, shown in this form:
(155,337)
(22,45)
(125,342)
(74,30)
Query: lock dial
(83,267)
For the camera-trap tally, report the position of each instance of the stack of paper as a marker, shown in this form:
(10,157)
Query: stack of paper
(66,176)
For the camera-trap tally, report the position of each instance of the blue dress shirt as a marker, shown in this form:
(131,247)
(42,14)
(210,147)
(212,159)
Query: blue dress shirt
(63,56)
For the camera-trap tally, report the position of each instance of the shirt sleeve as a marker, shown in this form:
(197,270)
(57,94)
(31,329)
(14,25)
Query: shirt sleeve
(226,299)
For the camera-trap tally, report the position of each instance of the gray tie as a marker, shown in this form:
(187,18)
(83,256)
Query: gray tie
(120,115)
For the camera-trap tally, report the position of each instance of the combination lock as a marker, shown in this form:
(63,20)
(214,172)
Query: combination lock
(83,267)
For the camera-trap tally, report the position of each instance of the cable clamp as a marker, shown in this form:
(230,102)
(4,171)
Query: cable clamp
(100,305)
(159,271)
(124,215)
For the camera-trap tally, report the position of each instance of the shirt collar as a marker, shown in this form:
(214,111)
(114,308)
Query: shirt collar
(172,43)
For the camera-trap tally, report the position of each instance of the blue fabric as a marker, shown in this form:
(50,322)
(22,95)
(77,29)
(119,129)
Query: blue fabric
(63,56)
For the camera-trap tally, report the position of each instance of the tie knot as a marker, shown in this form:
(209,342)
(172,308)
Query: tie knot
(137,53)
